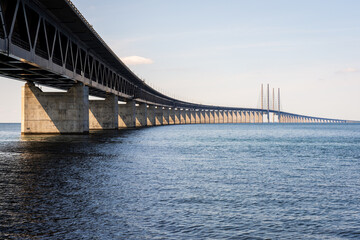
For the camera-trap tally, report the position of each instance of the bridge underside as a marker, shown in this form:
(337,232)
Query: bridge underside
(20,69)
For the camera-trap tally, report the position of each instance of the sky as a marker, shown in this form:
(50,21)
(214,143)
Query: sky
(220,52)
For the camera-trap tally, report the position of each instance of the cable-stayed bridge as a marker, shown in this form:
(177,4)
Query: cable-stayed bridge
(50,43)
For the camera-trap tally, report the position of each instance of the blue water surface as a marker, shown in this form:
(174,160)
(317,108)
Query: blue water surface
(218,181)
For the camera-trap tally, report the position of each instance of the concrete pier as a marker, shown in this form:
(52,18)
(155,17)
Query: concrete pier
(230,117)
(177,116)
(233,114)
(151,111)
(182,116)
(166,116)
(172,116)
(54,112)
(197,117)
(243,117)
(225,116)
(238,117)
(159,114)
(221,116)
(187,116)
(202,116)
(141,115)
(192,116)
(216,116)
(103,114)
(248,120)
(126,117)
(207,116)
(211,117)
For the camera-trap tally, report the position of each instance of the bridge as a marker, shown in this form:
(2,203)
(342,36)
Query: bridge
(50,43)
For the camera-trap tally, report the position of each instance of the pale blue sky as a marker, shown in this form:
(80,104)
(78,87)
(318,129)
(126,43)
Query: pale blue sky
(219,52)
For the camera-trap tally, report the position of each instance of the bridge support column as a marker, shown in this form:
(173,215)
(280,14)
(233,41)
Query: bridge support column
(159,114)
(150,115)
(172,116)
(238,117)
(221,116)
(177,116)
(182,116)
(216,116)
(226,116)
(253,117)
(256,117)
(197,116)
(243,116)
(103,114)
(206,116)
(247,117)
(166,116)
(211,117)
(126,117)
(202,116)
(192,116)
(229,117)
(141,115)
(187,116)
(54,113)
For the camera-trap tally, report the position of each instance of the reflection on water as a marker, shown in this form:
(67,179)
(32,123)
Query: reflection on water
(182,182)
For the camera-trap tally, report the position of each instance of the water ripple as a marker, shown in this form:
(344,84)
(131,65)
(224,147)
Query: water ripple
(223,181)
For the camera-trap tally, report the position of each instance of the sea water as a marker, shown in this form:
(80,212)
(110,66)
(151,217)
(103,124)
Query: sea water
(203,181)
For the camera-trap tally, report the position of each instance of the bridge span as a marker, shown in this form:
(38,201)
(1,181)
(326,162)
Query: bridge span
(50,43)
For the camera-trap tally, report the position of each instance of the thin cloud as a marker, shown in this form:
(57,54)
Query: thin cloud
(348,70)
(136,60)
